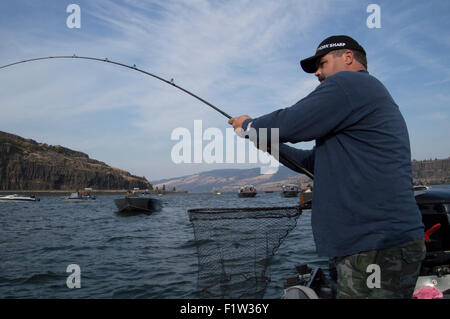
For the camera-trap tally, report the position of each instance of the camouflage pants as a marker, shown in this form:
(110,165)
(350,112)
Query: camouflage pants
(393,276)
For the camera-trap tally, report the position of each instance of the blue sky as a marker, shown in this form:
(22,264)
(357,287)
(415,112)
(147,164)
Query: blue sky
(242,56)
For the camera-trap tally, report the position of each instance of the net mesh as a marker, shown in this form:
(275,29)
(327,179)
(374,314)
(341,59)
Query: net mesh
(235,245)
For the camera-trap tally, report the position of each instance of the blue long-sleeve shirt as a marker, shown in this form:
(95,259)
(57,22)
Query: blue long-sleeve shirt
(363,196)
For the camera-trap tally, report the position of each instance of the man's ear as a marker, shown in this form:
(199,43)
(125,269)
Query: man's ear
(348,57)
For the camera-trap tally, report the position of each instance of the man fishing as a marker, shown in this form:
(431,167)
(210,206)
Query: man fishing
(364,211)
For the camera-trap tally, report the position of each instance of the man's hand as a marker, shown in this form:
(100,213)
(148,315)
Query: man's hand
(238,121)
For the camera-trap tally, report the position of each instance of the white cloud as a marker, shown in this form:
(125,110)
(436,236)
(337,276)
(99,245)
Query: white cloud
(225,52)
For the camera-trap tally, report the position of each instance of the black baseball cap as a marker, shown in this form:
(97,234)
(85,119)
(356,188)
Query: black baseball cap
(335,42)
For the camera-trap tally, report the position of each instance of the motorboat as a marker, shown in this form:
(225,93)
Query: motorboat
(434,276)
(216,192)
(18,198)
(137,203)
(78,197)
(290,190)
(306,196)
(420,187)
(247,191)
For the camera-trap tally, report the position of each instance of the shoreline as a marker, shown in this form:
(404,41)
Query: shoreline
(58,192)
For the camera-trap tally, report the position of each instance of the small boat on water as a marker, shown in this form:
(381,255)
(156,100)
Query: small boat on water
(18,198)
(247,191)
(420,188)
(137,203)
(77,197)
(290,190)
(305,196)
(216,192)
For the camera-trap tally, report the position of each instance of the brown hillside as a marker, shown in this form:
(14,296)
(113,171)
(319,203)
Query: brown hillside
(28,165)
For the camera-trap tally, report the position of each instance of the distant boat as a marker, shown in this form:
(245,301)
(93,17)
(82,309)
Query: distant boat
(420,188)
(77,197)
(306,196)
(290,190)
(137,203)
(18,198)
(216,192)
(247,191)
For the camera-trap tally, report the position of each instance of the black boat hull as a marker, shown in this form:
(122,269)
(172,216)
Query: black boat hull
(137,204)
(290,193)
(246,194)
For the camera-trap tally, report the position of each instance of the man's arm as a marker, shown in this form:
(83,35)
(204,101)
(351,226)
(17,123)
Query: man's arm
(305,158)
(313,117)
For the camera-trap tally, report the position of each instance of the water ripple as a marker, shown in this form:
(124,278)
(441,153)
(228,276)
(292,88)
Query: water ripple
(121,256)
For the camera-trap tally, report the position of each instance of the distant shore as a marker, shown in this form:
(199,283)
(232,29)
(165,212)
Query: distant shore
(59,192)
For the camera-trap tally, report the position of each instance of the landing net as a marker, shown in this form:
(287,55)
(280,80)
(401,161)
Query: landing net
(235,245)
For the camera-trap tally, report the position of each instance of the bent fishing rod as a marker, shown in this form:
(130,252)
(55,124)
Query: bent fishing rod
(171,82)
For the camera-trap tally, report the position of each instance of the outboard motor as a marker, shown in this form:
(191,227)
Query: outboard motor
(308,284)
(434,205)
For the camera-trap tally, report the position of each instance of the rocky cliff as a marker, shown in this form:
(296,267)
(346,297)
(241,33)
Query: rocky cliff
(28,165)
(431,172)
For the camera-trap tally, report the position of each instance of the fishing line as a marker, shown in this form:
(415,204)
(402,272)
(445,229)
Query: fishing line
(171,82)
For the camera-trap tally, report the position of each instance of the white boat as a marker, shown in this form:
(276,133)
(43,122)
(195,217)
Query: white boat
(18,198)
(420,188)
(290,190)
(77,197)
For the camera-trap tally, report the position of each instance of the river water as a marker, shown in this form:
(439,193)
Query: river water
(121,256)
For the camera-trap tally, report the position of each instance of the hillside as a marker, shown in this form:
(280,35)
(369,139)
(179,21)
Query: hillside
(28,165)
(424,172)
(431,172)
(229,180)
